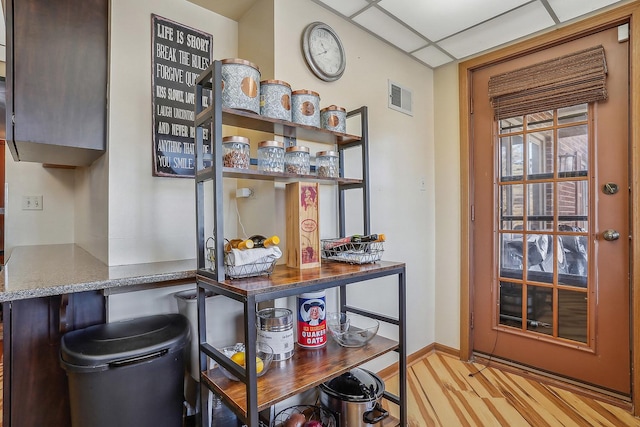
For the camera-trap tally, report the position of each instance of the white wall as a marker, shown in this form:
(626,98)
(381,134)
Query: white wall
(55,222)
(447,205)
(150,218)
(401,152)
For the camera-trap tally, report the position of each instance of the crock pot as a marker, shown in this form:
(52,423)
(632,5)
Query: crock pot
(355,398)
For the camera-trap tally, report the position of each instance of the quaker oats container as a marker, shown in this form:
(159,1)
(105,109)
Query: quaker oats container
(296,160)
(327,164)
(271,156)
(235,152)
(275,99)
(334,118)
(240,85)
(305,107)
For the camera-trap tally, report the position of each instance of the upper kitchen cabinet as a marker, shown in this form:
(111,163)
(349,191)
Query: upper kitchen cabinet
(57,80)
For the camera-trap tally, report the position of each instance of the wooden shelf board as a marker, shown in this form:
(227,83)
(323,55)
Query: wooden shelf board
(285,278)
(307,368)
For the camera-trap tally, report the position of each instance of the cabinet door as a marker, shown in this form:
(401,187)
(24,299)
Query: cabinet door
(35,385)
(57,80)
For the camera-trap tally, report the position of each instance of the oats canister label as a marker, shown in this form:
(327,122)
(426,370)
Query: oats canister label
(312,324)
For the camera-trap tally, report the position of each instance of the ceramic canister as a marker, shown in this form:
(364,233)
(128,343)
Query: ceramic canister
(305,107)
(312,323)
(334,118)
(240,85)
(275,99)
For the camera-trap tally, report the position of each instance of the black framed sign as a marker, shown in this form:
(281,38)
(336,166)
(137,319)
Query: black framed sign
(179,54)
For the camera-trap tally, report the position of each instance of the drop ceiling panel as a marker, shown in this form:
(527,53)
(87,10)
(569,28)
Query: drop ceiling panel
(389,29)
(439,19)
(432,56)
(511,26)
(569,9)
(347,8)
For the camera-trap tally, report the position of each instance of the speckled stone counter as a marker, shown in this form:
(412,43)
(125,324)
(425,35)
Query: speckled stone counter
(45,270)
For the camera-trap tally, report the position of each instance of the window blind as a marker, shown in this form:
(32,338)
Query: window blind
(572,79)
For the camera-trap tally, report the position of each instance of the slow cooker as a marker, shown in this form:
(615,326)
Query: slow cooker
(355,398)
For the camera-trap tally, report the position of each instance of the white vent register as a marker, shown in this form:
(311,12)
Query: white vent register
(400,98)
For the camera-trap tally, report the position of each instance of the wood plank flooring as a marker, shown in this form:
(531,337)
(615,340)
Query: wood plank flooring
(441,393)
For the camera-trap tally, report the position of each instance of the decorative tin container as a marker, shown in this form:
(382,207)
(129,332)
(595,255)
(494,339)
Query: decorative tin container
(235,151)
(312,324)
(275,99)
(305,106)
(297,160)
(327,164)
(334,118)
(271,156)
(240,85)
(274,326)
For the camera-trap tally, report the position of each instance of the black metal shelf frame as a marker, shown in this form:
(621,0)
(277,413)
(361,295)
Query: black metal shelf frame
(209,167)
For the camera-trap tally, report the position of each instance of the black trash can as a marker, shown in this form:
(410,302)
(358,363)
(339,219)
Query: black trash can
(128,373)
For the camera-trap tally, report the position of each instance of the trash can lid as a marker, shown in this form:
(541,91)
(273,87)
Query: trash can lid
(100,345)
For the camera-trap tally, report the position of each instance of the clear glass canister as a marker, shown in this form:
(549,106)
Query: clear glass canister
(271,156)
(327,164)
(235,151)
(296,160)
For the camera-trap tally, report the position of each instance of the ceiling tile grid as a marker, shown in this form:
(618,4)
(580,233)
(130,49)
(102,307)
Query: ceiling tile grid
(436,32)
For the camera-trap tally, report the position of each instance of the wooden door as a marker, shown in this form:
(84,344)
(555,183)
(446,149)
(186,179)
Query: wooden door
(549,291)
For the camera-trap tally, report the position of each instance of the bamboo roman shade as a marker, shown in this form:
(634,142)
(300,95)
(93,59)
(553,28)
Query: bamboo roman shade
(561,82)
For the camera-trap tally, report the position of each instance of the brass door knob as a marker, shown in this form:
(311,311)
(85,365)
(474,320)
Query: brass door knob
(610,235)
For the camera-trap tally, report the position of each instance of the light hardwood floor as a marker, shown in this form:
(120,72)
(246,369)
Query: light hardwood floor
(441,393)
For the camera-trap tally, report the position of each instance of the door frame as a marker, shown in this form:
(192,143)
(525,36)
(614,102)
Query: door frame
(627,13)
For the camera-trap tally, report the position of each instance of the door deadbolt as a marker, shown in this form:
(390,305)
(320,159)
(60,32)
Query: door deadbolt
(610,188)
(610,235)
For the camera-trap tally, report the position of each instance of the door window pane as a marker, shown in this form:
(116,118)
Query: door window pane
(540,309)
(540,155)
(511,304)
(513,124)
(511,158)
(540,206)
(540,258)
(511,206)
(575,113)
(573,205)
(572,315)
(511,255)
(540,120)
(573,151)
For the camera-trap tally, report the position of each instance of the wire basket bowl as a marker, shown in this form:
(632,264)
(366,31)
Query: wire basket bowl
(261,267)
(310,412)
(352,252)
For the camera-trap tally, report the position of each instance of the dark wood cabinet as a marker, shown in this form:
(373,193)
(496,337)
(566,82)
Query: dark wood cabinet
(57,56)
(35,385)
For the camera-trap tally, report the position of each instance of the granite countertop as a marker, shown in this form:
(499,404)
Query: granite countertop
(44,270)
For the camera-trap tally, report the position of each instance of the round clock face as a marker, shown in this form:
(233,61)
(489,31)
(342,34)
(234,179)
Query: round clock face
(323,51)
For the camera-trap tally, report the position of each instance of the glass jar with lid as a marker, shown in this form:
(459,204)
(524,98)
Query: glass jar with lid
(296,160)
(235,152)
(327,164)
(271,156)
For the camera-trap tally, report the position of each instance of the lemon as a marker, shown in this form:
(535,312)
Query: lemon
(238,357)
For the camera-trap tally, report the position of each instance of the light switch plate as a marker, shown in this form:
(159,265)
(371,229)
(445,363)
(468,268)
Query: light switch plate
(31,203)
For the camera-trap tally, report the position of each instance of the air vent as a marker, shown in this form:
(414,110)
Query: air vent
(400,98)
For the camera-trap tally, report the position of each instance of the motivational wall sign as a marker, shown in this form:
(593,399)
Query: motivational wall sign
(179,55)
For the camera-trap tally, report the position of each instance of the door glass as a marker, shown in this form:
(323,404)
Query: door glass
(544,221)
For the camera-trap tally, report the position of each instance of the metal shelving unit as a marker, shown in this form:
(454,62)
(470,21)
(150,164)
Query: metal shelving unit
(251,395)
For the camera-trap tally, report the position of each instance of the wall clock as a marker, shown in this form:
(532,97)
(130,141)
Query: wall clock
(323,51)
